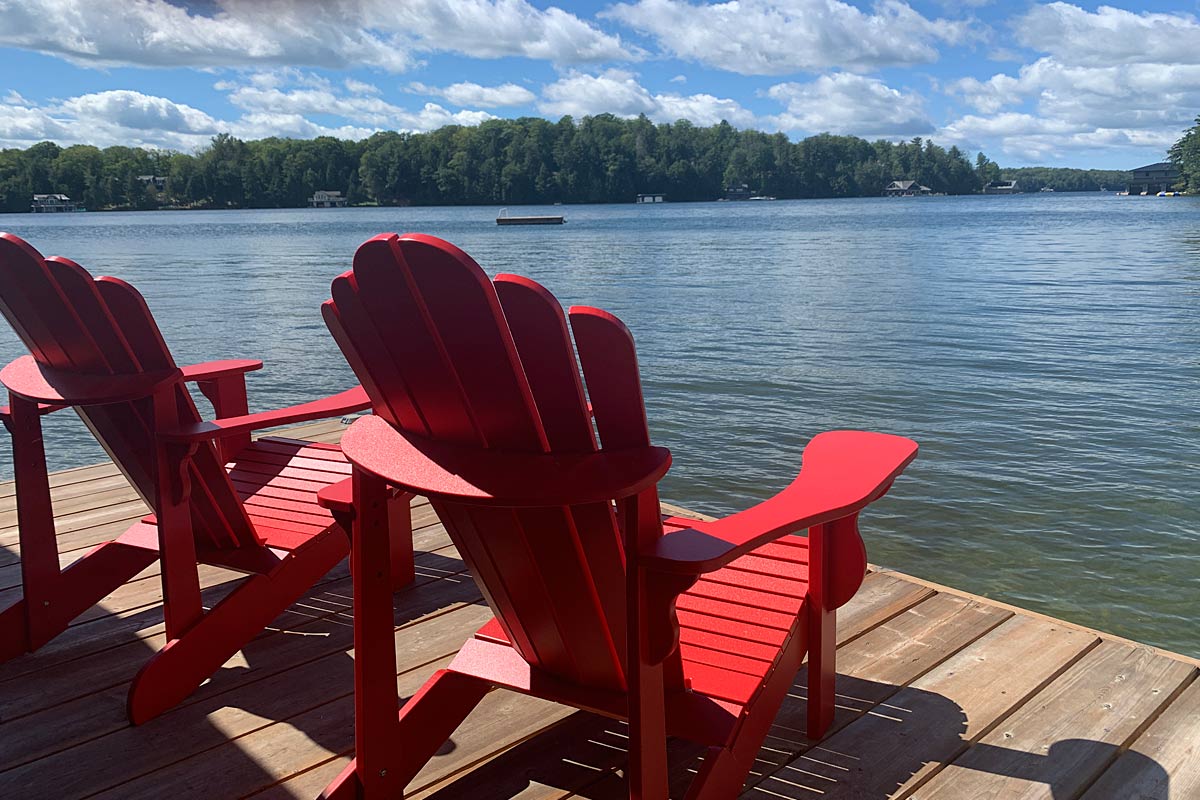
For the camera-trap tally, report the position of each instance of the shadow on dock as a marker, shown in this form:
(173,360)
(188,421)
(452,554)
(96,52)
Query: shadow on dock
(587,751)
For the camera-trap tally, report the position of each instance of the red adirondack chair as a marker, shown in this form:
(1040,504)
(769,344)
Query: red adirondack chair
(684,628)
(217,497)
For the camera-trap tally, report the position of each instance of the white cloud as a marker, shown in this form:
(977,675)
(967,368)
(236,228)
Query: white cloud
(850,104)
(679,79)
(614,91)
(264,124)
(618,92)
(1110,35)
(1124,105)
(472,94)
(1034,138)
(239,33)
(22,126)
(358,87)
(284,103)
(106,118)
(702,109)
(496,28)
(777,37)
(367,109)
(141,112)
(1111,79)
(298,97)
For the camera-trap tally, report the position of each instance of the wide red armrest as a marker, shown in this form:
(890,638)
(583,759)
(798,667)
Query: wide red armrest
(27,378)
(346,402)
(842,472)
(219,369)
(499,478)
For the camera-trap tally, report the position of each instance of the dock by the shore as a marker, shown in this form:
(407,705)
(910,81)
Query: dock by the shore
(942,694)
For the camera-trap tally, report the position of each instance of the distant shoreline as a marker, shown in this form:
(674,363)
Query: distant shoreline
(523,205)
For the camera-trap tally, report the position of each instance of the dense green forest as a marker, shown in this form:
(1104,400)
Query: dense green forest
(530,160)
(1033,179)
(1186,155)
(598,159)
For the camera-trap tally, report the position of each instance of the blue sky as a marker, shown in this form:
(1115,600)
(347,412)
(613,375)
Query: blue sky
(1059,83)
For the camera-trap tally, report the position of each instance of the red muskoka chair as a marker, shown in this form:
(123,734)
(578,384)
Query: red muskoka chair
(684,628)
(217,497)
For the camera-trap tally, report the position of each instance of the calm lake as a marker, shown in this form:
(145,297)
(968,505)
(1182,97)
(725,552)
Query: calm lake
(1043,349)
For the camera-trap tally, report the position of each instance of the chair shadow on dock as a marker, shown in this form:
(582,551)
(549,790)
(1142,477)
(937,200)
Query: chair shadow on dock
(923,732)
(63,729)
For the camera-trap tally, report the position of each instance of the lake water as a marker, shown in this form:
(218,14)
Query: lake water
(1043,349)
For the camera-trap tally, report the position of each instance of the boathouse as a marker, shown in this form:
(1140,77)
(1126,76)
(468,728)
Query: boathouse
(1002,187)
(1153,178)
(906,189)
(325,198)
(739,192)
(47,203)
(651,198)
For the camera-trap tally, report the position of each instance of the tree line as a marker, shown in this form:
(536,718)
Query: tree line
(1034,179)
(1185,154)
(599,159)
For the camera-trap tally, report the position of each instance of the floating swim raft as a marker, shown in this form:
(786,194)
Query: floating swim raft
(550,219)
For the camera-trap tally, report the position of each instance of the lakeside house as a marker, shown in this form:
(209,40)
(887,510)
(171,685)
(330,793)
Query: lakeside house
(325,198)
(49,203)
(906,189)
(159,182)
(1002,187)
(739,192)
(651,198)
(1153,178)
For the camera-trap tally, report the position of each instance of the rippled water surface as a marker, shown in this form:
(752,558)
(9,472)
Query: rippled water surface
(1043,349)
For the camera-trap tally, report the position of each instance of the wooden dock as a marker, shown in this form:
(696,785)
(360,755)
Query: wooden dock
(941,695)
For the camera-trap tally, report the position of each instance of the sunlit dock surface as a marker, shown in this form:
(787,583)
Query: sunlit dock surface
(941,694)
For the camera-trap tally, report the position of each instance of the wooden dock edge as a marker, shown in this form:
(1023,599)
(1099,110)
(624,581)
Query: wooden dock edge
(1195,662)
(938,587)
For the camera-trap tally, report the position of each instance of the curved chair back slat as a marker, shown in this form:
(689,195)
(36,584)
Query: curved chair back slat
(446,353)
(101,326)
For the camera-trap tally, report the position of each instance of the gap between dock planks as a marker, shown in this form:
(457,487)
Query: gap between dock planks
(940,693)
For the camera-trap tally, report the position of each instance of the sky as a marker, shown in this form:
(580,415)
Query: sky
(1028,83)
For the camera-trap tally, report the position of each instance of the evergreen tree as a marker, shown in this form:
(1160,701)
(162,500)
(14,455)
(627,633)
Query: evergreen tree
(1185,154)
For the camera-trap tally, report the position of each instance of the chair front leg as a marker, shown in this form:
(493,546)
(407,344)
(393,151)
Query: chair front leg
(39,547)
(836,566)
(376,706)
(652,639)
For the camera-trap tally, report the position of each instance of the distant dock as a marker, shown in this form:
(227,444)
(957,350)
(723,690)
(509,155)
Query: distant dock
(550,219)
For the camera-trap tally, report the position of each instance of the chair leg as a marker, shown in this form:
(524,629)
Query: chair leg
(423,726)
(720,776)
(187,661)
(822,669)
(400,535)
(391,744)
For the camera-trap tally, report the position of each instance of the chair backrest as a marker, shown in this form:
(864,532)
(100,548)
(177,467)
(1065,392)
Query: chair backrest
(102,326)
(446,353)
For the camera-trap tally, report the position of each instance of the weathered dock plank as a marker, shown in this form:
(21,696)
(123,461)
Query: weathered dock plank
(1164,762)
(1066,735)
(903,740)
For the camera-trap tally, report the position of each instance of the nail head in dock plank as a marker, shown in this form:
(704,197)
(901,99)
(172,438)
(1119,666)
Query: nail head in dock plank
(941,694)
